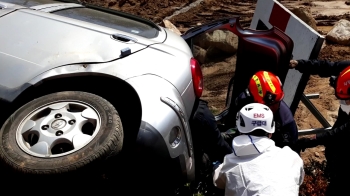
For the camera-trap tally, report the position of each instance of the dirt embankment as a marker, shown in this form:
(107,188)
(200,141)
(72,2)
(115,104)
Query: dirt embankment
(155,10)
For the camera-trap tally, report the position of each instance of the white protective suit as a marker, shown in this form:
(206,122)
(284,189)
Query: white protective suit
(258,167)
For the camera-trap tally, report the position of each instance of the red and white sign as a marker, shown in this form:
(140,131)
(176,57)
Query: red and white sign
(307,41)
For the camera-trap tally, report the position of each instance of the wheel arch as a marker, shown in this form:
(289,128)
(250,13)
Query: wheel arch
(113,89)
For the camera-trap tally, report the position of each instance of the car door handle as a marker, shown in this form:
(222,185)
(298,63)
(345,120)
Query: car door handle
(124,38)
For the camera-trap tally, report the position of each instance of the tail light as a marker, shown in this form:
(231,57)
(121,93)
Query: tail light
(197,77)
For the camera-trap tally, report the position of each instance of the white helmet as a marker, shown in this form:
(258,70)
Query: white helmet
(255,116)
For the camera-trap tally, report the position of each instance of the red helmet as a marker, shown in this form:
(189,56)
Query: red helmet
(266,88)
(342,88)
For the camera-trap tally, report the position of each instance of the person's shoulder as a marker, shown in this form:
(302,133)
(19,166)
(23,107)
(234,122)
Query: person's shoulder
(230,158)
(289,153)
(230,161)
(285,150)
(285,107)
(241,96)
(243,99)
(285,112)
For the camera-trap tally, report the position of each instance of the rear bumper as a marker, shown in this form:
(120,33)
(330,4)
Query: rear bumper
(164,116)
(152,153)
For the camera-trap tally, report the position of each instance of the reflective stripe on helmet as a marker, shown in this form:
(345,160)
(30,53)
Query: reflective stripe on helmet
(269,82)
(345,72)
(258,85)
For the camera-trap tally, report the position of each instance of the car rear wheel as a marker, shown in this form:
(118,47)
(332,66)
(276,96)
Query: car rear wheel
(61,132)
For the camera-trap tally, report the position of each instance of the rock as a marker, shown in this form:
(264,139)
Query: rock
(202,41)
(171,27)
(225,41)
(305,15)
(218,41)
(340,33)
(199,53)
(213,54)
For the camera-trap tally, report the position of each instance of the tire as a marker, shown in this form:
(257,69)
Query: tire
(61,140)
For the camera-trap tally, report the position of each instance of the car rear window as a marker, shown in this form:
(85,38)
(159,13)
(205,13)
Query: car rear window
(30,3)
(137,27)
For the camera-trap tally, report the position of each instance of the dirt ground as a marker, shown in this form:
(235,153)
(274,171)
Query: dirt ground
(217,75)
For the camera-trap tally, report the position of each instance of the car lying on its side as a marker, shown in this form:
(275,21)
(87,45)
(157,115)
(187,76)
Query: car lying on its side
(81,84)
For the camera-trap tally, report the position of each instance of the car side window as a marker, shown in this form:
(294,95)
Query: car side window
(216,51)
(110,20)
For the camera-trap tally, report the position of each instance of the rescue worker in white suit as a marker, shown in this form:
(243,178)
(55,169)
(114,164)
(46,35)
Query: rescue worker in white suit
(257,166)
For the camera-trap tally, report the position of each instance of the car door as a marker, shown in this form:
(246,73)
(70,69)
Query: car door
(255,50)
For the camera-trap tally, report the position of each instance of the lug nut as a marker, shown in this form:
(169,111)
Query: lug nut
(71,122)
(58,115)
(59,133)
(45,127)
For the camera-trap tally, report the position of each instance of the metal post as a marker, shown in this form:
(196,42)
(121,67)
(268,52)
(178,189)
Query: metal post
(311,131)
(314,111)
(313,96)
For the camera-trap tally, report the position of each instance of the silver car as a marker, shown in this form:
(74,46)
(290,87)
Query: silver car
(81,84)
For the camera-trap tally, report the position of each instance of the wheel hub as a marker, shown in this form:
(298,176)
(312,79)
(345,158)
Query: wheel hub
(57,129)
(58,124)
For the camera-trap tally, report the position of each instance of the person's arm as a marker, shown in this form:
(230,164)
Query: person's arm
(319,67)
(289,130)
(292,131)
(325,136)
(335,133)
(340,129)
(219,178)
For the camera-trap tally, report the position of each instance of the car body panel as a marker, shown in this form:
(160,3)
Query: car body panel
(73,43)
(162,117)
(154,111)
(4,12)
(189,98)
(177,42)
(134,66)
